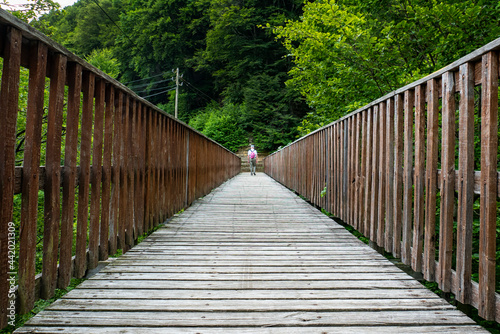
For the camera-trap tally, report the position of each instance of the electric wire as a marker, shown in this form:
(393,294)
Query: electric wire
(153,90)
(153,76)
(109,17)
(199,91)
(168,90)
(149,83)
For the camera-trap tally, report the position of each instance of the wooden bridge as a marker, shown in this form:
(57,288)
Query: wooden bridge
(250,256)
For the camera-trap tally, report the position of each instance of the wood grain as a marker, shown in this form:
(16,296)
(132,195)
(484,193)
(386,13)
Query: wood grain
(249,257)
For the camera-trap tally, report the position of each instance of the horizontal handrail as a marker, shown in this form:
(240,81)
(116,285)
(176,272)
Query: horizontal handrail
(127,166)
(402,165)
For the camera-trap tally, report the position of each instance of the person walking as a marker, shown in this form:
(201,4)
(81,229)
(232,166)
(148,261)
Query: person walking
(253,158)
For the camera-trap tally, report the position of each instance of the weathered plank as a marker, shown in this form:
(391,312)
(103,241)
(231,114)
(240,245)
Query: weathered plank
(205,269)
(9,100)
(53,169)
(31,161)
(431,180)
(69,176)
(465,184)
(263,330)
(447,183)
(489,151)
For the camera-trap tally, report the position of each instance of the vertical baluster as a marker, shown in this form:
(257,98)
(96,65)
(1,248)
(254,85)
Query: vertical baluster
(106,175)
(408,179)
(9,100)
(30,184)
(489,147)
(53,177)
(447,182)
(96,176)
(419,178)
(398,173)
(431,180)
(465,183)
(389,169)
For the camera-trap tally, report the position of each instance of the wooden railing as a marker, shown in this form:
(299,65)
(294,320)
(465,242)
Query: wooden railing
(401,171)
(137,167)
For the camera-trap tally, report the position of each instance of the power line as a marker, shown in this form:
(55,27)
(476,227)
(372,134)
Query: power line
(153,76)
(199,91)
(168,90)
(149,83)
(154,90)
(109,17)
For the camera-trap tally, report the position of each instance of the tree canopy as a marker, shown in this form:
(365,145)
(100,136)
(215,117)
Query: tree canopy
(276,69)
(350,52)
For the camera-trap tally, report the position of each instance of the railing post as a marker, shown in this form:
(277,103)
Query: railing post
(489,147)
(9,100)
(30,185)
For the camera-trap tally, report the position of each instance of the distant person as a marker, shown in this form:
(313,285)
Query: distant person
(253,158)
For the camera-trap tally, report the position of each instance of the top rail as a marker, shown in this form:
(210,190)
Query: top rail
(126,167)
(401,170)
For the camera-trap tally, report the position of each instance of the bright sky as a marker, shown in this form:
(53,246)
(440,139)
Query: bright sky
(65,3)
(12,4)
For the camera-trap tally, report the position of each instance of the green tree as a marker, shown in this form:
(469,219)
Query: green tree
(350,52)
(222,125)
(104,60)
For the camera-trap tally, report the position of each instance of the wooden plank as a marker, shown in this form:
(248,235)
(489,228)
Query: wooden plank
(196,294)
(243,284)
(345,169)
(268,330)
(106,174)
(149,171)
(53,177)
(465,184)
(84,177)
(488,202)
(375,175)
(419,179)
(69,176)
(431,181)
(381,176)
(136,109)
(447,182)
(370,267)
(115,187)
(398,173)
(211,271)
(142,157)
(357,176)
(368,173)
(128,189)
(389,169)
(362,182)
(352,169)
(231,319)
(409,98)
(276,305)
(9,100)
(31,161)
(122,207)
(96,175)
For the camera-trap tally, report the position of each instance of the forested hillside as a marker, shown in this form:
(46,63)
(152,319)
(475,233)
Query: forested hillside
(268,71)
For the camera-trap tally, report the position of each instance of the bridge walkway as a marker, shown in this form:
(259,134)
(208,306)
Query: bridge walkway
(251,257)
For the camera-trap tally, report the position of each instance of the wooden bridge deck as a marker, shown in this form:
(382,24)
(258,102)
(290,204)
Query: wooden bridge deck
(251,257)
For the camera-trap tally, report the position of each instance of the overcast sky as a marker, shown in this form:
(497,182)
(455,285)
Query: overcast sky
(65,3)
(14,3)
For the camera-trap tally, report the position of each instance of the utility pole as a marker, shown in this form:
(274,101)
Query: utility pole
(176,92)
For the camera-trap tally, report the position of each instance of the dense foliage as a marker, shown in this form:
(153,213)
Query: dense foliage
(228,62)
(338,55)
(348,52)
